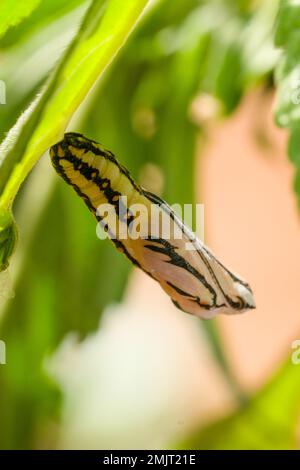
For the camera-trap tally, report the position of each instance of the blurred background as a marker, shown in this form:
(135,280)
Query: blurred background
(97,356)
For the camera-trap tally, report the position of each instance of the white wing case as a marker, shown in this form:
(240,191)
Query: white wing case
(194,279)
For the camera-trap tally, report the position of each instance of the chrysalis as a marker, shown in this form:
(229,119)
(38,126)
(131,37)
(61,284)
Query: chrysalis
(194,279)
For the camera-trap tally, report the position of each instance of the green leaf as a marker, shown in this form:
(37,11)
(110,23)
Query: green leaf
(288,22)
(102,34)
(46,13)
(268,421)
(294,146)
(14,11)
(287,109)
(229,82)
(8,238)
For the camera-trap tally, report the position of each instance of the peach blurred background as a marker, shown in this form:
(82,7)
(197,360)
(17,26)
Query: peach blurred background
(252,222)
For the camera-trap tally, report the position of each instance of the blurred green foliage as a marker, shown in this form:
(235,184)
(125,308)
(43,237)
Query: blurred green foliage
(141,110)
(267,421)
(287,114)
(13,13)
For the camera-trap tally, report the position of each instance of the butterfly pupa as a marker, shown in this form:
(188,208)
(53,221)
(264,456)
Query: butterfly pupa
(195,280)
